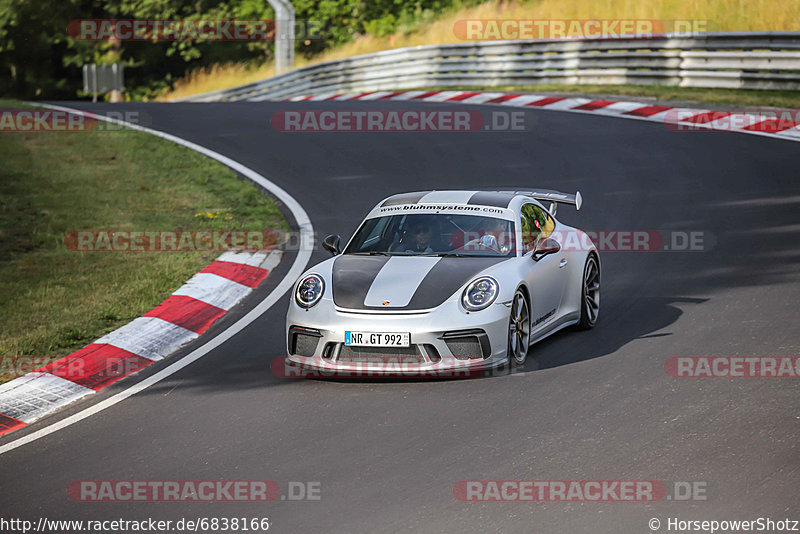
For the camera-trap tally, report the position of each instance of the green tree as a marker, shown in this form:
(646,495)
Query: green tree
(38,59)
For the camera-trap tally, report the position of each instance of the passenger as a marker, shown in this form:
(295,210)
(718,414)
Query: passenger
(495,235)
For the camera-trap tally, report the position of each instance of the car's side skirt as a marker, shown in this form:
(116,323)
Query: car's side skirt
(553,327)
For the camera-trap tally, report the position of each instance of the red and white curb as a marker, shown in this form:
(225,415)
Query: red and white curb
(185,315)
(676,118)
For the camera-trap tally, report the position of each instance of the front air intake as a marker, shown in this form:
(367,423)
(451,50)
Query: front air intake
(303,341)
(380,355)
(468,344)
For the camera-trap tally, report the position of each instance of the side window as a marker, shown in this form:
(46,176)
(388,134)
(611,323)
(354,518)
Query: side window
(536,223)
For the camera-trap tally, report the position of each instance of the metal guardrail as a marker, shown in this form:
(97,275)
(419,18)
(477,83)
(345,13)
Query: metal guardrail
(104,79)
(746,60)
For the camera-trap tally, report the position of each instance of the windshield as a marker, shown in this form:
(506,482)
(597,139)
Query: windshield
(434,235)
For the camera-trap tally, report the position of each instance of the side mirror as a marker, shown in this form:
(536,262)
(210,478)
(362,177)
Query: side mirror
(545,247)
(331,244)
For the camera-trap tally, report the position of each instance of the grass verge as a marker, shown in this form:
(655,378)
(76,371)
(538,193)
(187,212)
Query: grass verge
(54,300)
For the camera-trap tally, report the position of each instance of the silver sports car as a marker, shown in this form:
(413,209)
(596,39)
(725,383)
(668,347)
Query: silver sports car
(441,280)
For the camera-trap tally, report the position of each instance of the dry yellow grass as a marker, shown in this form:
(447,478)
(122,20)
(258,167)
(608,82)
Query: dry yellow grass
(219,77)
(722,15)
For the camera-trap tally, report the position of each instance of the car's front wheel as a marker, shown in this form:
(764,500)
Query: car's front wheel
(519,330)
(590,293)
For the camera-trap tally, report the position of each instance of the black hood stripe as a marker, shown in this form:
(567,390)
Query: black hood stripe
(353,276)
(445,278)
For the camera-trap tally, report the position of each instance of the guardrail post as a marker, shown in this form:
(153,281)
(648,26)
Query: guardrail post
(116,76)
(284,35)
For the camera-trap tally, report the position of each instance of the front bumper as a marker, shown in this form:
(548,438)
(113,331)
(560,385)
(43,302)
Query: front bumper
(445,341)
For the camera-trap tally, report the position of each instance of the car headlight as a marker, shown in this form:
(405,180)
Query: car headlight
(480,293)
(309,291)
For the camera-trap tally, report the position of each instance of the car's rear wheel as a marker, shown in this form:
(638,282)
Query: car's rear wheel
(519,330)
(590,294)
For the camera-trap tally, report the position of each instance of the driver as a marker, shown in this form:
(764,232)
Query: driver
(421,238)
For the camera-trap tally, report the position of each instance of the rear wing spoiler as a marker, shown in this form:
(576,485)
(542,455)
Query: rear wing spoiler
(555,198)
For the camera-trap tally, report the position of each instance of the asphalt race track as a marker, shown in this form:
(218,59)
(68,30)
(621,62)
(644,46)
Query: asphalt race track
(594,405)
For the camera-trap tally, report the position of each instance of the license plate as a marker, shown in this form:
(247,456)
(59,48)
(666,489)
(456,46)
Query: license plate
(377,339)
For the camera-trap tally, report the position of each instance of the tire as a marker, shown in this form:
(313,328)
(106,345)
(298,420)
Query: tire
(590,294)
(519,330)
